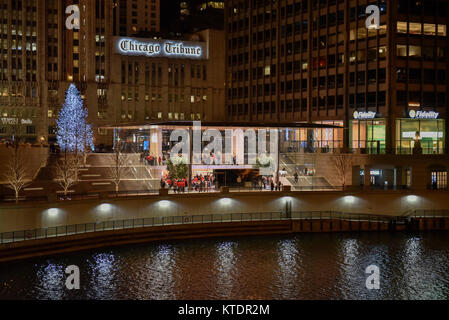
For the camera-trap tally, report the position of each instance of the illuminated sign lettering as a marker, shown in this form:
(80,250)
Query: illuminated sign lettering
(361,115)
(376,173)
(15,121)
(423,114)
(161,48)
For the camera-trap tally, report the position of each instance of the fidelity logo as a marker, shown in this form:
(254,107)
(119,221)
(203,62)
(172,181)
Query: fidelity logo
(423,114)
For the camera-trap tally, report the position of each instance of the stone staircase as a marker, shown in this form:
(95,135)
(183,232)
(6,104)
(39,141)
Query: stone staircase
(304,182)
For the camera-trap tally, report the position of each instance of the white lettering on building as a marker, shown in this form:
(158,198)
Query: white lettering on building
(15,121)
(423,114)
(361,115)
(164,48)
(10,121)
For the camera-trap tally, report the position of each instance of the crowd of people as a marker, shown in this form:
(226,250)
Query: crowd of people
(178,185)
(203,183)
(199,183)
(267,183)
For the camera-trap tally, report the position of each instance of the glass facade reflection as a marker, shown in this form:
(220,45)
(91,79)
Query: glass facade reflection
(368,135)
(430,132)
(313,139)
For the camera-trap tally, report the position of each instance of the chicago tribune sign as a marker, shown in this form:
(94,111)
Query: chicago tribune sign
(161,48)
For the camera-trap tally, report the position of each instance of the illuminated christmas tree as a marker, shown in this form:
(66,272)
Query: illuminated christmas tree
(74,132)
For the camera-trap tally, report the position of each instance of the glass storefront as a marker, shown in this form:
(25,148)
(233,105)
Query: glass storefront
(368,136)
(439,180)
(430,132)
(313,140)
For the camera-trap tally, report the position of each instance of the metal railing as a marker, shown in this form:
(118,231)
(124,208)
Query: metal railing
(437,213)
(69,230)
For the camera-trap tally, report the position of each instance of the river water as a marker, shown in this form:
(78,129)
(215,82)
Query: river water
(305,266)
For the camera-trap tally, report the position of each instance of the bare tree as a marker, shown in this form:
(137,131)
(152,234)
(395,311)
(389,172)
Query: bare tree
(119,166)
(343,165)
(66,171)
(16,173)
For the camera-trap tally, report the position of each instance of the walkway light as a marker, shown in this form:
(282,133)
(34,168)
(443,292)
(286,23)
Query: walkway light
(412,198)
(164,204)
(225,201)
(349,199)
(105,207)
(53,212)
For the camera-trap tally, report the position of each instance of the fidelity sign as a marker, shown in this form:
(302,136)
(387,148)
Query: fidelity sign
(161,48)
(361,115)
(423,114)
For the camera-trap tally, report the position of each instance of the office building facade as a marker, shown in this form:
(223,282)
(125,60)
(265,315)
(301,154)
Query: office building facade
(40,57)
(317,61)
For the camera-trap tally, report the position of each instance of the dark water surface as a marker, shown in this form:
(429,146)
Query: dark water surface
(306,266)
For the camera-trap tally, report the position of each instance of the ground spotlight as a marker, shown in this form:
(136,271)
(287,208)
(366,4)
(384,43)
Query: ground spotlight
(349,199)
(105,207)
(225,201)
(164,204)
(53,212)
(286,199)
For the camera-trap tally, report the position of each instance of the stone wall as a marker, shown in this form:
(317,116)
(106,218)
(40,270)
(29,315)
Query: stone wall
(40,215)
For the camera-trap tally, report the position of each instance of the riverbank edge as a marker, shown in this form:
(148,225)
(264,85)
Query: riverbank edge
(87,241)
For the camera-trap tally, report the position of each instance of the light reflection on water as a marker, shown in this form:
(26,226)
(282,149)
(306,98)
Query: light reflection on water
(102,268)
(225,266)
(305,266)
(51,282)
(288,272)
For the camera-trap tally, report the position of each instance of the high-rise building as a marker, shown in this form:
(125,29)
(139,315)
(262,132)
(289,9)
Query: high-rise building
(40,57)
(192,15)
(317,61)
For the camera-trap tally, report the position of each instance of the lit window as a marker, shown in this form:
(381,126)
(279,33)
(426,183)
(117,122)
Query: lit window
(429,29)
(401,50)
(414,51)
(402,27)
(267,71)
(415,28)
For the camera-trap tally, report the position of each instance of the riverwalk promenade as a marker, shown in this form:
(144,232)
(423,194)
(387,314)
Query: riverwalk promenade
(37,215)
(29,230)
